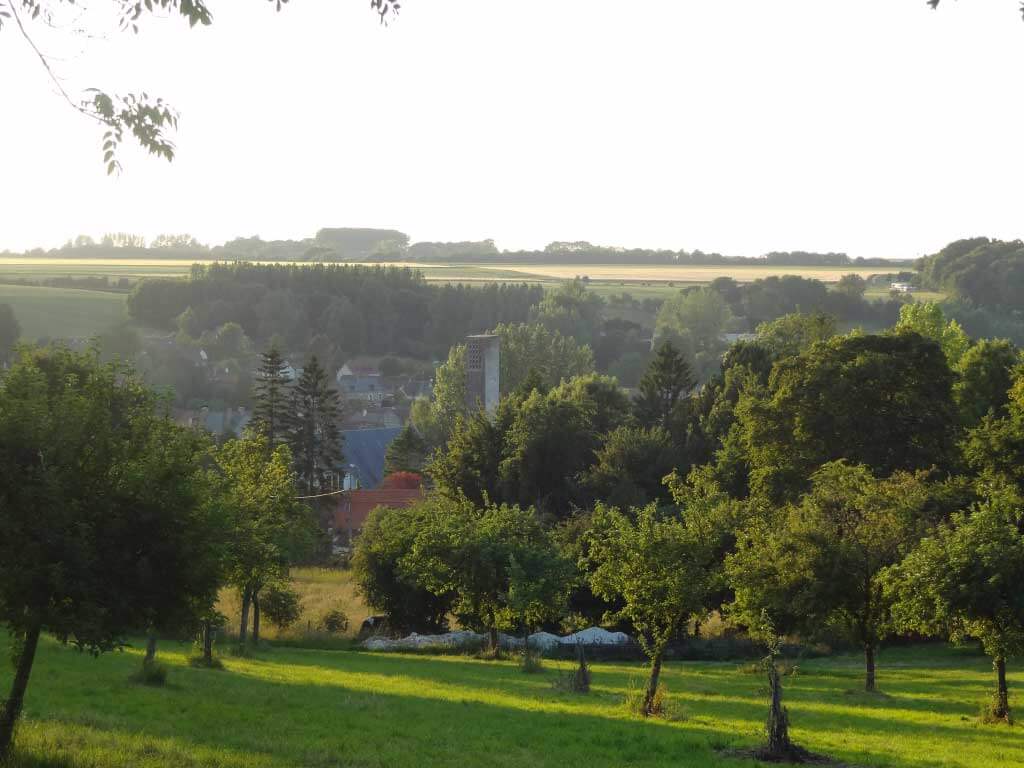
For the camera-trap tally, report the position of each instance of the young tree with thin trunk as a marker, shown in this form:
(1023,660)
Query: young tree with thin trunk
(967,579)
(818,565)
(269,524)
(658,568)
(104,525)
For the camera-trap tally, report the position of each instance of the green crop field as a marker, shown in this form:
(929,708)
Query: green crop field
(62,312)
(290,707)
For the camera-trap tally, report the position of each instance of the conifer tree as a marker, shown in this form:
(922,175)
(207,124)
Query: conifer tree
(664,385)
(270,395)
(314,434)
(407,452)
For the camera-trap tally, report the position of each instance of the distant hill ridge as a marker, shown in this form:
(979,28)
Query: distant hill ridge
(374,245)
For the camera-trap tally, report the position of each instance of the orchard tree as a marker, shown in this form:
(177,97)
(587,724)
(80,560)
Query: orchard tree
(658,568)
(966,580)
(473,553)
(105,518)
(818,565)
(257,490)
(382,578)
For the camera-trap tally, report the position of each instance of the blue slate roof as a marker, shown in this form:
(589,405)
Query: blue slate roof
(365,449)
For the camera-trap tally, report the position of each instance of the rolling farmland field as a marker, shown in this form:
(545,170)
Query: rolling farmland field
(73,312)
(62,312)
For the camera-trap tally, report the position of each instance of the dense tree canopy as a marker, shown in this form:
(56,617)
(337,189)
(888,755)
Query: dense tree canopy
(882,401)
(103,509)
(987,273)
(375,310)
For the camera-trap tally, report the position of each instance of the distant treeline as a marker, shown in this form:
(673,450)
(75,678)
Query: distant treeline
(359,309)
(361,244)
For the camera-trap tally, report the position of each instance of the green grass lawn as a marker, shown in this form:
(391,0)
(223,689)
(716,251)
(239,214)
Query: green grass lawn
(62,312)
(292,707)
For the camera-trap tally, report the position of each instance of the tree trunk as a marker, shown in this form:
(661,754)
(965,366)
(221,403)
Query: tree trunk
(777,726)
(869,667)
(150,647)
(244,627)
(1001,705)
(208,642)
(492,638)
(255,617)
(11,710)
(652,685)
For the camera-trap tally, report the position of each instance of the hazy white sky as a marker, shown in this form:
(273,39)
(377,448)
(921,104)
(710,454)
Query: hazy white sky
(875,127)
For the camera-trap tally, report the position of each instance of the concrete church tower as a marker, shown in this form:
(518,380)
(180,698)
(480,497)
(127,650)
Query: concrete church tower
(483,363)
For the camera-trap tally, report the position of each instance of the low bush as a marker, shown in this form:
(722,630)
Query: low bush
(280,605)
(634,701)
(333,621)
(151,673)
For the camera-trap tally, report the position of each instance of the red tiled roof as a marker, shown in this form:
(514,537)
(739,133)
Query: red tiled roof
(354,506)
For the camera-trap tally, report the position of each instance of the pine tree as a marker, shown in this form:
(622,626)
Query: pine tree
(667,380)
(271,396)
(407,452)
(314,434)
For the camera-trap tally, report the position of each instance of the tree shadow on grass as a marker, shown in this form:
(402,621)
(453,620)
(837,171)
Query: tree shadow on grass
(356,710)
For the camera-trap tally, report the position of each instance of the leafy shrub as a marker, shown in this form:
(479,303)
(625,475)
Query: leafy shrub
(577,681)
(634,701)
(151,673)
(280,604)
(334,620)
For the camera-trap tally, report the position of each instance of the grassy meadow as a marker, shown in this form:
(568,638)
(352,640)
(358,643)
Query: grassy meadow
(292,707)
(62,312)
(320,590)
